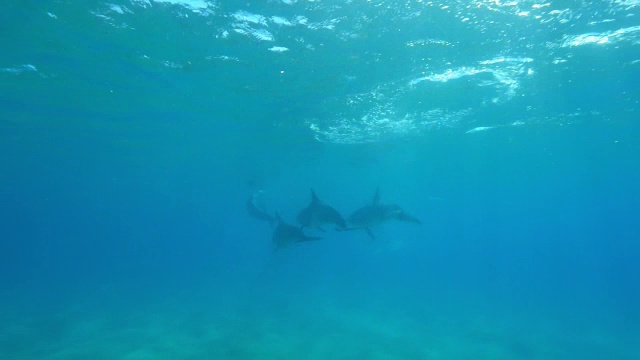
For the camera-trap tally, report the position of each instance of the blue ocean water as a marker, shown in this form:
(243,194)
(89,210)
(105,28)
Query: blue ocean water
(133,132)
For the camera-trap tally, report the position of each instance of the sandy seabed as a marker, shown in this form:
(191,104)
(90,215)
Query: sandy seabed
(307,326)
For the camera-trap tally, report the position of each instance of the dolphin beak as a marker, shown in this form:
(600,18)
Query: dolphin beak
(408,218)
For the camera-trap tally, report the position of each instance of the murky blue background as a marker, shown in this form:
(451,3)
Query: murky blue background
(133,132)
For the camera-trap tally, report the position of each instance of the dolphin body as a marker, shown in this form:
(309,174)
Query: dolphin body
(285,234)
(256,210)
(377,213)
(319,213)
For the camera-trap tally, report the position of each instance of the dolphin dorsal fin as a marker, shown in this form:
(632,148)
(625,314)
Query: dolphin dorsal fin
(376,197)
(314,197)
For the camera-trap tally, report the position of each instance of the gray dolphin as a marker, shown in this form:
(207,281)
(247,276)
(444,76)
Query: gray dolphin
(285,234)
(377,213)
(319,213)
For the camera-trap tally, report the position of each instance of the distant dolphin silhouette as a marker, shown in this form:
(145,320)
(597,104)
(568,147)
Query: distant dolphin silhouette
(285,234)
(319,213)
(376,213)
(256,208)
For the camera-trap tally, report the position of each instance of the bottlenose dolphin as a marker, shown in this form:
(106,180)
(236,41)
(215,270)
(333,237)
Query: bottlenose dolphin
(286,234)
(318,213)
(256,208)
(377,213)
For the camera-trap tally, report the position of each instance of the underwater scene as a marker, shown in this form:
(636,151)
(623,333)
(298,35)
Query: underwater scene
(320,179)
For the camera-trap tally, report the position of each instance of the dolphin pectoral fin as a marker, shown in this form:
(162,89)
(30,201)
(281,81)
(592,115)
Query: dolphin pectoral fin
(408,218)
(370,233)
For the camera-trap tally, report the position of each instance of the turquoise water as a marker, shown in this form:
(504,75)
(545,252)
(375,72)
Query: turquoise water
(134,131)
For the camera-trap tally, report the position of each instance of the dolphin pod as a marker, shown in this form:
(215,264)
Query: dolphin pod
(318,213)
